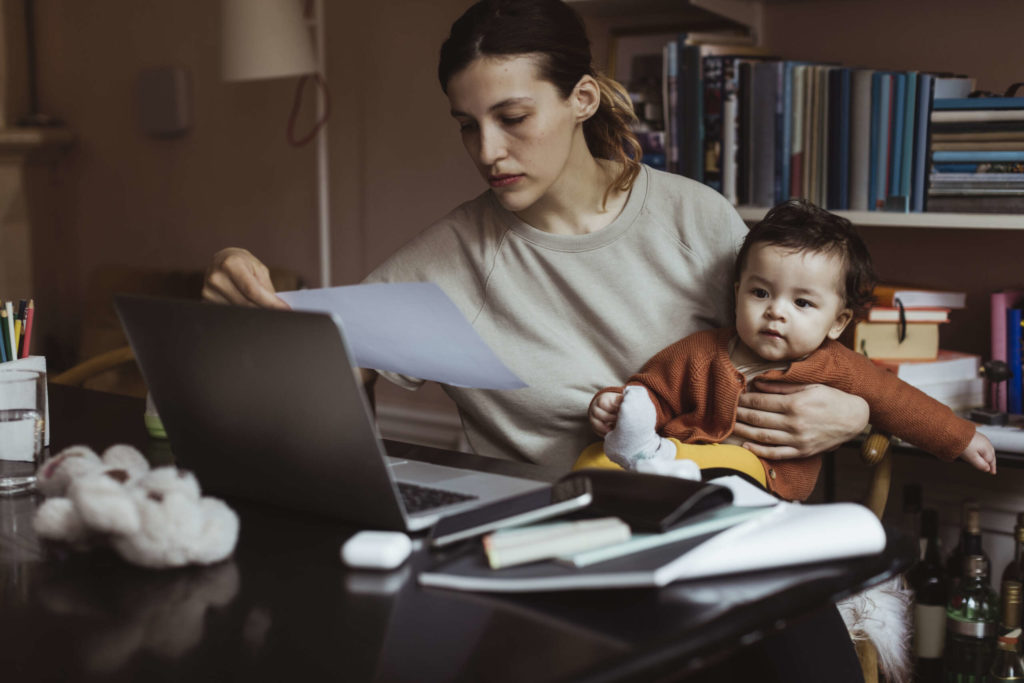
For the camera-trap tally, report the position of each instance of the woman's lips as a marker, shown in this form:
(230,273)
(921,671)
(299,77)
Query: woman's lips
(502,180)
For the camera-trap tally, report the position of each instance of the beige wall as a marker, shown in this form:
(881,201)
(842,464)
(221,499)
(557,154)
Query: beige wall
(126,198)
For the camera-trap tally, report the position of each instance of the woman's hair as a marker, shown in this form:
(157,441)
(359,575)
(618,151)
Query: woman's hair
(553,31)
(802,226)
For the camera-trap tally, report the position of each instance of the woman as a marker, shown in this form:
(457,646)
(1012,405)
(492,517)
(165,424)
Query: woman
(577,265)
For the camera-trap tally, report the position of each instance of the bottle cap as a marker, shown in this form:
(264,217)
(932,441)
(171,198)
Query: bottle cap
(972,520)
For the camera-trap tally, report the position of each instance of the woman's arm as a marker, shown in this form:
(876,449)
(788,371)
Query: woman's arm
(783,421)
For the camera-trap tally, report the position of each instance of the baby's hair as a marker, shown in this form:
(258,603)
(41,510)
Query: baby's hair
(802,226)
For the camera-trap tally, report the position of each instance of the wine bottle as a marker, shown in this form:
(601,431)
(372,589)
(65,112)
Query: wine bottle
(971,615)
(912,514)
(970,544)
(1015,569)
(928,581)
(1007,664)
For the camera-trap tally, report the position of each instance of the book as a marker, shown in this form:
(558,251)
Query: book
(881,89)
(796,153)
(960,395)
(765,95)
(947,366)
(788,534)
(999,303)
(511,547)
(913,341)
(1012,204)
(860,138)
(913,297)
(977,115)
(838,138)
(715,520)
(1014,402)
(954,103)
(919,163)
(896,132)
(893,314)
(968,155)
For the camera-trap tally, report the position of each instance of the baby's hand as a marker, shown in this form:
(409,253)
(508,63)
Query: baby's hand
(603,411)
(980,453)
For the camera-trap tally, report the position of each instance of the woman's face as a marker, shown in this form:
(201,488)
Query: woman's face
(518,129)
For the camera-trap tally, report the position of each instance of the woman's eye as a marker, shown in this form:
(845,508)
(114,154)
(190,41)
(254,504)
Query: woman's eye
(513,120)
(466,125)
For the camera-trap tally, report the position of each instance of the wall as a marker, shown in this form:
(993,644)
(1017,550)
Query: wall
(125,198)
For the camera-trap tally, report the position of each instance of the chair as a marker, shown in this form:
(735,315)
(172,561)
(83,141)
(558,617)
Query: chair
(889,599)
(81,373)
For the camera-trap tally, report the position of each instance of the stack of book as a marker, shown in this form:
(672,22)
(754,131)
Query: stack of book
(901,333)
(977,147)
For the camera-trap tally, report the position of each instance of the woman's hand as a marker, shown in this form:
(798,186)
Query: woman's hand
(782,421)
(603,411)
(237,277)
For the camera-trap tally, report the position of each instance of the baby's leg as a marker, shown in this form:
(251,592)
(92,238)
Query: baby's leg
(634,438)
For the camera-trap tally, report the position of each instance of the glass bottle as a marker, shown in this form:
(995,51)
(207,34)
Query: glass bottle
(927,579)
(1015,569)
(970,543)
(1007,664)
(972,613)
(912,514)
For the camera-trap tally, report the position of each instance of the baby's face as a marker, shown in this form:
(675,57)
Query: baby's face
(788,302)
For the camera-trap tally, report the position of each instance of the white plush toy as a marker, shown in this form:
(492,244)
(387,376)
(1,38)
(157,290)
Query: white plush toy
(151,517)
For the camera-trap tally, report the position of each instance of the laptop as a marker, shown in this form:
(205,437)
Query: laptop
(265,405)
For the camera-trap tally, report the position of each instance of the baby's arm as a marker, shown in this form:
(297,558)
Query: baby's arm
(980,453)
(603,411)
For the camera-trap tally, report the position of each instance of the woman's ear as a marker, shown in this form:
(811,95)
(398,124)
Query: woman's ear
(586,98)
(841,321)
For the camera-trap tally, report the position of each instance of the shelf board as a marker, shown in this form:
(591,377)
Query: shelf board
(963,221)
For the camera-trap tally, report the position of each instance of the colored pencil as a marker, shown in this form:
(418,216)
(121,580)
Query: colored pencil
(3,335)
(11,344)
(30,312)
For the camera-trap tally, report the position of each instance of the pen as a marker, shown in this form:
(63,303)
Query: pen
(12,348)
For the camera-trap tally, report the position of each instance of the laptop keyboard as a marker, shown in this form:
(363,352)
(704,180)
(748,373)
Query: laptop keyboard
(418,498)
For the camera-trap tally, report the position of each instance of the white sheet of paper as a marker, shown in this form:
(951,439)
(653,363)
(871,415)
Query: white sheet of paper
(412,328)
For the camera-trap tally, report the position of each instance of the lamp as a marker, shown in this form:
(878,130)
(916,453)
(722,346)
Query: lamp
(271,39)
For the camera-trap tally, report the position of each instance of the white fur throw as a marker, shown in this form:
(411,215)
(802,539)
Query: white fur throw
(881,614)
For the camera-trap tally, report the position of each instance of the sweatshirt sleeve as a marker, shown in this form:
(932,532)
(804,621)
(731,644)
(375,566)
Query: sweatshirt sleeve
(902,410)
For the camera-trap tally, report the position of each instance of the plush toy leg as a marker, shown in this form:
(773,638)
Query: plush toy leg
(716,459)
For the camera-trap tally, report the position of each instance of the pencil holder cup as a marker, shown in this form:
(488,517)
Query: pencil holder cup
(22,426)
(38,364)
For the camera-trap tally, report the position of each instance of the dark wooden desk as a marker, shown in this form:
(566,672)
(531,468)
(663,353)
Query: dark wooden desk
(284,607)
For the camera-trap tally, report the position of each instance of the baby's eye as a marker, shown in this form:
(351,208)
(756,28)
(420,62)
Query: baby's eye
(804,303)
(759,293)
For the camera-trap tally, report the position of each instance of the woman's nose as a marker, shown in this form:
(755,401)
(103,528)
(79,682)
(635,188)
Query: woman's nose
(492,146)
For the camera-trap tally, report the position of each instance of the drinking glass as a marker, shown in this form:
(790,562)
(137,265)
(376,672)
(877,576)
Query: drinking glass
(22,407)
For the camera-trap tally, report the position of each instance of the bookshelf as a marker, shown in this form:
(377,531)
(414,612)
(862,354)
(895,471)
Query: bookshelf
(962,221)
(871,33)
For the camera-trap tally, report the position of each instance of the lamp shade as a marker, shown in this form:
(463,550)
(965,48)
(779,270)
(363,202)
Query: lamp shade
(264,39)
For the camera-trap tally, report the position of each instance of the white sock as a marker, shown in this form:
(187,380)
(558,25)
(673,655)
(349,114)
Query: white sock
(634,438)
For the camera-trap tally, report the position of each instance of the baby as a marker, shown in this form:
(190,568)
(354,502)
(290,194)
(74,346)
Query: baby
(801,274)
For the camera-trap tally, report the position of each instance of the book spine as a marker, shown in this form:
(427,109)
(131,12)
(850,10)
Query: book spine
(1013,359)
(922,140)
(899,96)
(999,304)
(860,139)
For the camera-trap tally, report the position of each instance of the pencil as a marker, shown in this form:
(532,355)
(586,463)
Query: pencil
(17,336)
(30,312)
(12,348)
(3,334)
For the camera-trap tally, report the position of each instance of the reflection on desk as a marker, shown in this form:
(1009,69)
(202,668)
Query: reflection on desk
(285,605)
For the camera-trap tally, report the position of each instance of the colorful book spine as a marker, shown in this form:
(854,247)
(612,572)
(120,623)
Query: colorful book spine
(999,305)
(1013,359)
